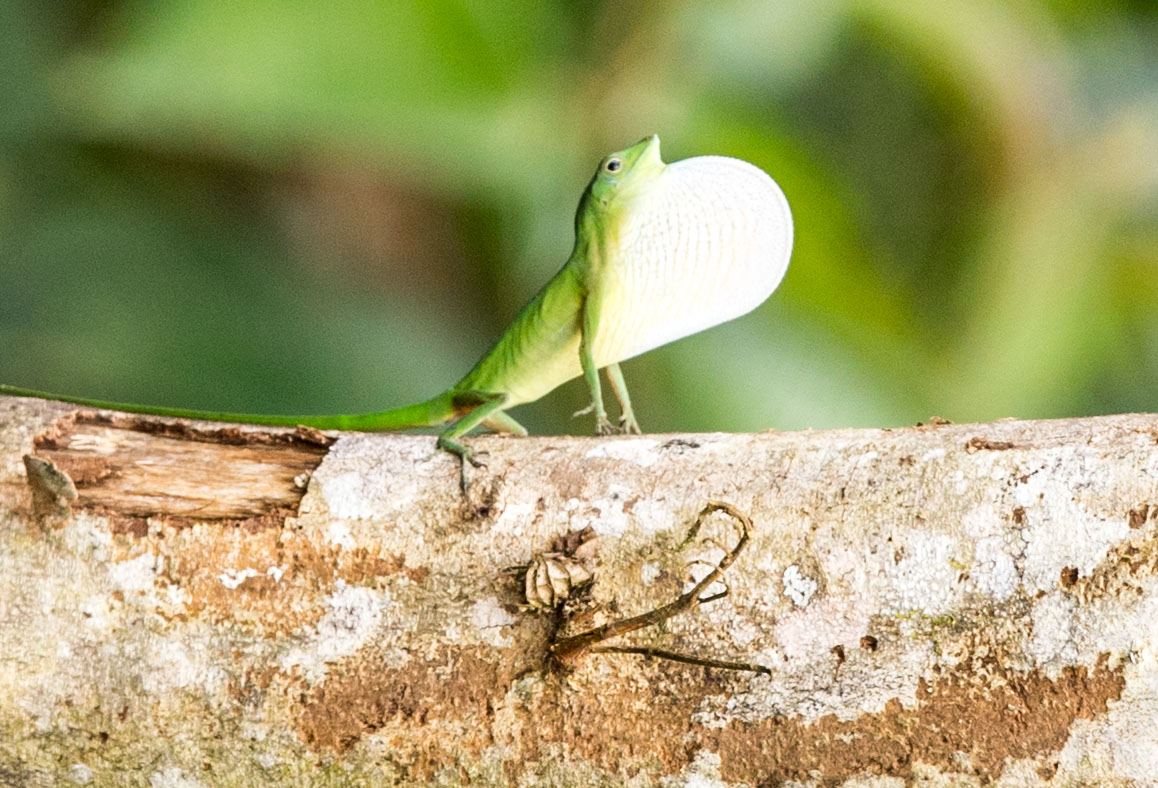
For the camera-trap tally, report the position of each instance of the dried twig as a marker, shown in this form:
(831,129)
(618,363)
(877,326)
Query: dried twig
(568,650)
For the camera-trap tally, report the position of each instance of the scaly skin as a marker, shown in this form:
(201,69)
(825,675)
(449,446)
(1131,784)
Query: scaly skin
(660,252)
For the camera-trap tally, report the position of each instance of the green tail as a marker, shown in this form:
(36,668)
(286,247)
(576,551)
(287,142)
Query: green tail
(438,410)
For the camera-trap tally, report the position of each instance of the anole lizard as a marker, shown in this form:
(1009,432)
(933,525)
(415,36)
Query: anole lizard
(661,251)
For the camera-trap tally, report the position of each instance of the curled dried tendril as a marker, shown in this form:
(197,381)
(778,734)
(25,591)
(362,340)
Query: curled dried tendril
(567,650)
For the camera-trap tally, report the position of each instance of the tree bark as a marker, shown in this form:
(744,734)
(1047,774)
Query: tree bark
(186,603)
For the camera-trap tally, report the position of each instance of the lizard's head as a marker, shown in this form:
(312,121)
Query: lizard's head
(626,173)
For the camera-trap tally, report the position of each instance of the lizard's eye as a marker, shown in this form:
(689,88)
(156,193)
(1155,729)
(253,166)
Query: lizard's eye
(613,165)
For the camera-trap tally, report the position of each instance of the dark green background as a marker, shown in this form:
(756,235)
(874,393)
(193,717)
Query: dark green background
(301,206)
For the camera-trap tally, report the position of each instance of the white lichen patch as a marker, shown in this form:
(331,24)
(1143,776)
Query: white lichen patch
(846,569)
(617,511)
(960,482)
(254,731)
(489,618)
(643,452)
(1060,533)
(349,496)
(798,586)
(134,575)
(605,514)
(1052,640)
(1100,626)
(338,533)
(983,520)
(513,516)
(925,578)
(1139,630)
(353,615)
(812,632)
(354,481)
(743,631)
(169,665)
(80,774)
(654,516)
(232,578)
(96,613)
(87,536)
(1030,488)
(173,778)
(994,572)
(808,689)
(882,781)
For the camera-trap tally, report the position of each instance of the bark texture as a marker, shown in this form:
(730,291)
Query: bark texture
(187,604)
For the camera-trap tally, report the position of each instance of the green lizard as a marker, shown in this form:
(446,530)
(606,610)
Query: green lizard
(661,251)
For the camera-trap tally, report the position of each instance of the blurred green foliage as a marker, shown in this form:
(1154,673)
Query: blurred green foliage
(336,207)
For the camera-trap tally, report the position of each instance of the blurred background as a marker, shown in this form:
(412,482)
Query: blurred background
(337,207)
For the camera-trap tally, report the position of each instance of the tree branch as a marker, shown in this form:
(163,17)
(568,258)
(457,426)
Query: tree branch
(243,605)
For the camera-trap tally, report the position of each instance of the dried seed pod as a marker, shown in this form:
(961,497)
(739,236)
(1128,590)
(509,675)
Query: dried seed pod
(552,577)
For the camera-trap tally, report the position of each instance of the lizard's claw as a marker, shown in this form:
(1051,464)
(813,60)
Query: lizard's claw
(603,426)
(471,458)
(465,454)
(628,425)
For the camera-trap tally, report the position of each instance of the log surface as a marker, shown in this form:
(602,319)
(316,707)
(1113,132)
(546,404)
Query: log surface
(222,605)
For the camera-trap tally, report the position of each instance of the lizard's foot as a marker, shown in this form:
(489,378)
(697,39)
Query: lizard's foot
(472,457)
(466,455)
(603,425)
(628,425)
